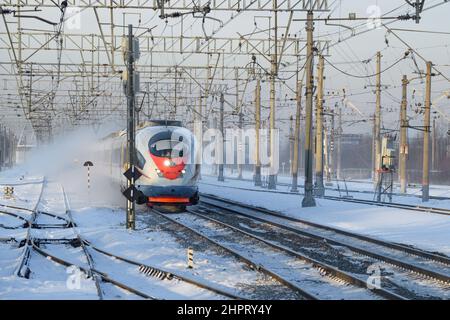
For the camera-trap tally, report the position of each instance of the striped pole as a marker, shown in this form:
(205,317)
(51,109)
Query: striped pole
(88,164)
(89,177)
(190,255)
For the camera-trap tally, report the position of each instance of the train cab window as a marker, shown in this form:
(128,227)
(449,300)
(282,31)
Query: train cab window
(168,145)
(167,148)
(140,160)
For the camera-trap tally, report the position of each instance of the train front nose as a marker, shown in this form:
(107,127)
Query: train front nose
(169,168)
(173,183)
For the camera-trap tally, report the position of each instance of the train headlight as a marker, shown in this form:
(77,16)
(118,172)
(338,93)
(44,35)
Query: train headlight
(158,171)
(183,171)
(167,163)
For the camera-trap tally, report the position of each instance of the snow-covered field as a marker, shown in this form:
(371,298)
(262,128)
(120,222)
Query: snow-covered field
(157,243)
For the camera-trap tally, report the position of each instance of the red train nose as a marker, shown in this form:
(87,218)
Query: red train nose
(170,168)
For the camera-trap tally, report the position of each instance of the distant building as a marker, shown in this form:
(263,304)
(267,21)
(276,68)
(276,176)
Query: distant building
(352,139)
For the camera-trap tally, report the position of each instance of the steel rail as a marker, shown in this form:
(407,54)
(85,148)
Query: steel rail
(393,246)
(285,184)
(17,216)
(85,250)
(412,207)
(169,274)
(240,257)
(409,207)
(25,256)
(345,276)
(2,183)
(166,273)
(88,272)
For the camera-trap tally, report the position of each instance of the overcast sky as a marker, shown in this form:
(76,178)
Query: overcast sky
(346,53)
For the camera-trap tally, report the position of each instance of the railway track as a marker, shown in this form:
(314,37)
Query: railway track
(311,278)
(410,207)
(33,243)
(425,265)
(287,185)
(22,269)
(145,269)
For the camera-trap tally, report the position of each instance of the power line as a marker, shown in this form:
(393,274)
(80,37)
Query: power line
(370,75)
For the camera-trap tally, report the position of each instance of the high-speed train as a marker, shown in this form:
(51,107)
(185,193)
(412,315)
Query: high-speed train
(165,156)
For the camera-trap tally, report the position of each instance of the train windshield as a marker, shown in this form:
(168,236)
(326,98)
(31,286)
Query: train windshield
(166,145)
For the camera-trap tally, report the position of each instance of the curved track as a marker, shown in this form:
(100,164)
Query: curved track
(35,243)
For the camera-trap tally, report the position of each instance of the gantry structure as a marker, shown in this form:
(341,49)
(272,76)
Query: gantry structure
(62,61)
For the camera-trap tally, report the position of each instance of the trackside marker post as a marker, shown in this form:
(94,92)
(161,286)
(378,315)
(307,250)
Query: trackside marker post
(190,256)
(88,165)
(9,192)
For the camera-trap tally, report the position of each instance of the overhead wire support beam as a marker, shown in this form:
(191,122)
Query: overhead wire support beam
(184,6)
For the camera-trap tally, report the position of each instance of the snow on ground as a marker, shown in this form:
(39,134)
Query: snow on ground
(104,227)
(352,184)
(413,192)
(423,230)
(103,224)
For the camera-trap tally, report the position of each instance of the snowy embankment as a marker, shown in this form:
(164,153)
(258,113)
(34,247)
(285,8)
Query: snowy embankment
(423,230)
(360,189)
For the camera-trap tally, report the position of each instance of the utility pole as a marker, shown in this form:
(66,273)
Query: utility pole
(2,149)
(330,171)
(241,149)
(272,174)
(339,146)
(308,200)
(433,145)
(319,188)
(403,136)
(221,158)
(258,181)
(174,111)
(377,160)
(295,161)
(426,138)
(198,131)
(291,143)
(131,127)
(326,164)
(273,74)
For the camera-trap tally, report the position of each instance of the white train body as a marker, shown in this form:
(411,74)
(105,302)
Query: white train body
(165,156)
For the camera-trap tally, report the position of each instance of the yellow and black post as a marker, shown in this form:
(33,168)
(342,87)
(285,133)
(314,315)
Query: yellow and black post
(190,257)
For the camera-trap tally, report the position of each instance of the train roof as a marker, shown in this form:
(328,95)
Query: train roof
(147,124)
(158,123)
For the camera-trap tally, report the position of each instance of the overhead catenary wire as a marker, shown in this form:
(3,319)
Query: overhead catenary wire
(369,75)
